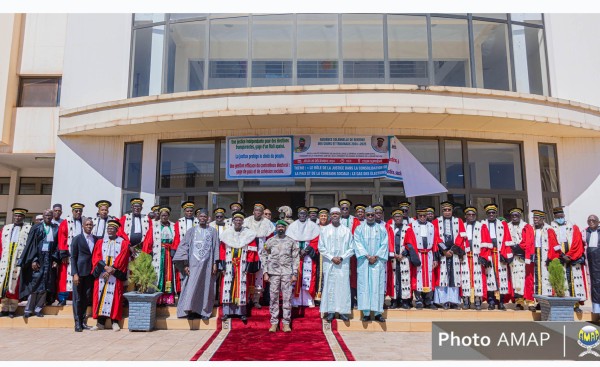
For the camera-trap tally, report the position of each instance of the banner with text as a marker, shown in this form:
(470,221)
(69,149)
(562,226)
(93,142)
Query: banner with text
(308,156)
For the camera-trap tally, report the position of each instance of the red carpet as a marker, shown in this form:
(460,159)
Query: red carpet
(341,342)
(254,342)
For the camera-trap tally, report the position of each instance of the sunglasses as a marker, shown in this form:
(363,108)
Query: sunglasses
(370,215)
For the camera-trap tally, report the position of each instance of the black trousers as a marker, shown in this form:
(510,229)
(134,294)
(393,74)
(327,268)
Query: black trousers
(82,297)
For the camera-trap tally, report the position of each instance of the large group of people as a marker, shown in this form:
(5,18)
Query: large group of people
(326,257)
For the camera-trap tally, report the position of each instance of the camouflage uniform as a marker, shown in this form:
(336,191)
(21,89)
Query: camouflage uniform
(281,259)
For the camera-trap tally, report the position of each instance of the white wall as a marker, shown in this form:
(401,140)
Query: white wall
(580,178)
(88,169)
(96,61)
(573,54)
(43,44)
(35,129)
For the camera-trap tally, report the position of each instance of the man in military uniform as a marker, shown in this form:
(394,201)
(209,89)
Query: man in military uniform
(280,256)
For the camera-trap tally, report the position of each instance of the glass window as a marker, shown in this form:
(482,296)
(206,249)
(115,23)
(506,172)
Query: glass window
(495,165)
(174,202)
(500,16)
(39,92)
(426,201)
(317,49)
(132,170)
(35,186)
(141,19)
(549,203)
(223,182)
(2,219)
(408,49)
(4,185)
(480,202)
(186,54)
(362,48)
(460,203)
(126,197)
(507,203)
(450,48)
(548,167)
(180,16)
(272,38)
(187,165)
(492,59)
(147,61)
(228,53)
(535,18)
(530,60)
(455,177)
(427,152)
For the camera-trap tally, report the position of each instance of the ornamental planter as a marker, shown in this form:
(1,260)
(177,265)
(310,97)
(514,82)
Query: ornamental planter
(556,308)
(142,310)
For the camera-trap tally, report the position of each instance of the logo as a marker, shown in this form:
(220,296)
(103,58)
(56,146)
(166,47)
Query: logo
(588,338)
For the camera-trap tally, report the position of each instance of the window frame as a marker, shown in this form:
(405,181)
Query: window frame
(33,77)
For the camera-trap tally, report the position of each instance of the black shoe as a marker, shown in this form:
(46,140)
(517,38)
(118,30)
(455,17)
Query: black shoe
(432,307)
(393,305)
(27,315)
(344,317)
(538,307)
(39,314)
(454,306)
(85,327)
(501,307)
(330,317)
(519,307)
(3,313)
(78,328)
(578,310)
(478,306)
(491,306)
(12,315)
(224,317)
(244,319)
(62,303)
(406,306)
(379,318)
(365,319)
(532,308)
(419,305)
(466,304)
(446,306)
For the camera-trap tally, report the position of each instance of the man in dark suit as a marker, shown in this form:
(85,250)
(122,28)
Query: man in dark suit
(81,268)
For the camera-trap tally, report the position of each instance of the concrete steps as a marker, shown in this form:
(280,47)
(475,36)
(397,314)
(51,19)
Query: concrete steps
(62,317)
(421,320)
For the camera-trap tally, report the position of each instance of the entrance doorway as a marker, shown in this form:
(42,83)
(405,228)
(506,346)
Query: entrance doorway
(273,200)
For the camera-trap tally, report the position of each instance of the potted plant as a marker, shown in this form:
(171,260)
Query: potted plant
(142,302)
(556,307)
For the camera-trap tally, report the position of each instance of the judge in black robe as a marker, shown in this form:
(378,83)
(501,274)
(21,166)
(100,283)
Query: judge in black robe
(592,240)
(37,262)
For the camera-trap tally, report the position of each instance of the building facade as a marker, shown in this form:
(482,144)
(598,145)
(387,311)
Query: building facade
(498,107)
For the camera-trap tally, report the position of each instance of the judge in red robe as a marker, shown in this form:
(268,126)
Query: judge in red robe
(161,242)
(402,249)
(306,233)
(109,263)
(424,277)
(67,230)
(239,262)
(522,235)
(496,255)
(571,256)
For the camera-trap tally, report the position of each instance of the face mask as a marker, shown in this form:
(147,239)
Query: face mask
(560,221)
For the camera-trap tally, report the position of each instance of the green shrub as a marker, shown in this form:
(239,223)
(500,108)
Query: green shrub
(557,277)
(143,275)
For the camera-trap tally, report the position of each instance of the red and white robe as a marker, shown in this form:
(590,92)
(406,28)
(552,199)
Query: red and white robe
(546,248)
(264,230)
(571,244)
(425,278)
(11,250)
(237,251)
(459,235)
(67,230)
(523,249)
(160,248)
(407,237)
(126,226)
(108,294)
(307,235)
(498,275)
(471,271)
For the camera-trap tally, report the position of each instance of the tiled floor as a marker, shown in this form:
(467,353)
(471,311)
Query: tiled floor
(60,344)
(391,346)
